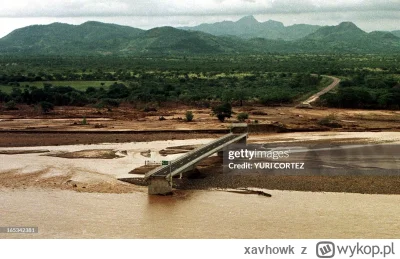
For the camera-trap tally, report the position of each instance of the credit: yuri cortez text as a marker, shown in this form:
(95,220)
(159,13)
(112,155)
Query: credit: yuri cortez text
(266,165)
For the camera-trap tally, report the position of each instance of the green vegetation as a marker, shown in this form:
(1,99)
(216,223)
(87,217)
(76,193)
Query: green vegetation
(368,81)
(248,27)
(366,90)
(189,116)
(46,106)
(222,111)
(11,105)
(242,116)
(102,39)
(329,121)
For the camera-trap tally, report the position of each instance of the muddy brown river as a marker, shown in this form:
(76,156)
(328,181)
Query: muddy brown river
(188,214)
(200,214)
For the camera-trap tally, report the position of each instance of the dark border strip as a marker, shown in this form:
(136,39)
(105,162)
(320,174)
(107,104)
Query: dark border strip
(212,131)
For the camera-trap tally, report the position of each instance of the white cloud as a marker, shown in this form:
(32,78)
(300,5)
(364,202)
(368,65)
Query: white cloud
(368,14)
(73,8)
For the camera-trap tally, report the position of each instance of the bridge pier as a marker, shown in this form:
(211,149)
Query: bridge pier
(242,141)
(159,186)
(160,179)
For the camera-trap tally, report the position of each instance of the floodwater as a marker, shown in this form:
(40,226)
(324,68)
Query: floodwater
(200,214)
(187,214)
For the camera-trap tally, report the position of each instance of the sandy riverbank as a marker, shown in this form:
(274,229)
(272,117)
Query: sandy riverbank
(91,168)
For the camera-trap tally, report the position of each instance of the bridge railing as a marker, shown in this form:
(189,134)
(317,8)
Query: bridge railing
(155,170)
(210,152)
(200,148)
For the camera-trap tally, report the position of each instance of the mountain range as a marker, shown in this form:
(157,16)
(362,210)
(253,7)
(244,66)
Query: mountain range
(246,36)
(248,27)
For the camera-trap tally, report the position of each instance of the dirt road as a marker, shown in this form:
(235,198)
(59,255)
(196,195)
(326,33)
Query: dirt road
(313,98)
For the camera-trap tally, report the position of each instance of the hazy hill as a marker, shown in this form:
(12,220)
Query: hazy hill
(397,33)
(248,27)
(65,38)
(347,37)
(94,38)
(101,38)
(342,32)
(169,40)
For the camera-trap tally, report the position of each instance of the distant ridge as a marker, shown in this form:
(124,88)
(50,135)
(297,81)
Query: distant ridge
(347,37)
(248,27)
(96,38)
(397,33)
(65,38)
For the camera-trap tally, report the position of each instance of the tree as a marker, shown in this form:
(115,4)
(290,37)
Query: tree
(240,95)
(223,111)
(117,91)
(46,106)
(11,105)
(189,116)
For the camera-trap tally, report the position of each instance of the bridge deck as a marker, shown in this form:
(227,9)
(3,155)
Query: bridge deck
(185,161)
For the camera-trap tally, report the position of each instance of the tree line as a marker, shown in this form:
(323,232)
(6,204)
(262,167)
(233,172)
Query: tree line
(268,88)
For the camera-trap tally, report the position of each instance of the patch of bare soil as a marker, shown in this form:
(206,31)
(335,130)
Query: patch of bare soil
(143,169)
(184,147)
(331,142)
(16,139)
(130,118)
(20,152)
(93,154)
(177,150)
(166,152)
(247,191)
(42,179)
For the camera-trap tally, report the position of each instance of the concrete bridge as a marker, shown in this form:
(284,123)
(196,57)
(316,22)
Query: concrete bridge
(160,178)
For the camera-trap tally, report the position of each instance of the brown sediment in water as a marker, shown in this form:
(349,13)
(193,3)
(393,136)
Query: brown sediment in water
(44,180)
(349,184)
(208,174)
(93,154)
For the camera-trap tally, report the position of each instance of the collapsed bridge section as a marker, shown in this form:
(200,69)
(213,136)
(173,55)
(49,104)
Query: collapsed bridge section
(160,178)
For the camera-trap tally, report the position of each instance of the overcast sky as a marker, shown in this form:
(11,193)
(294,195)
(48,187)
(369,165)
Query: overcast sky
(369,15)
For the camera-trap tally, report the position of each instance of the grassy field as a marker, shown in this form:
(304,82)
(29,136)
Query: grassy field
(6,88)
(79,85)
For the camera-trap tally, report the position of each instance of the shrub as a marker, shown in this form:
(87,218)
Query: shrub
(46,106)
(223,111)
(329,121)
(189,116)
(11,105)
(242,116)
(149,109)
